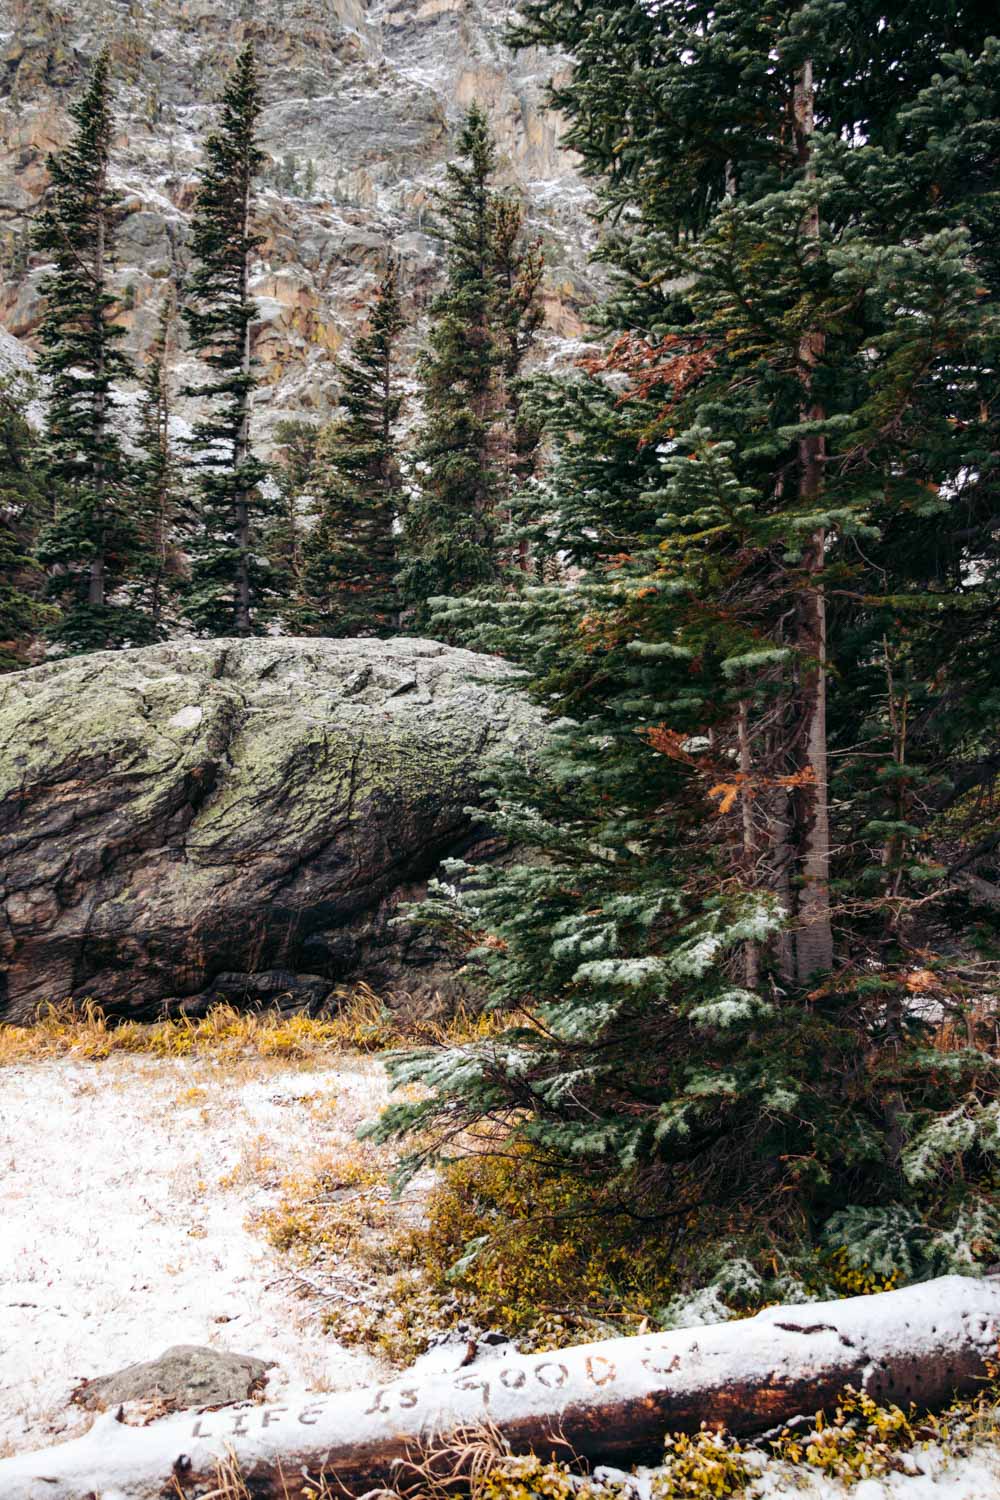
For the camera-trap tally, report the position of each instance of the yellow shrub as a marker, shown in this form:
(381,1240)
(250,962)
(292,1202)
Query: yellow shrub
(531,1478)
(849,1281)
(516,1246)
(862,1441)
(707,1466)
(363,1023)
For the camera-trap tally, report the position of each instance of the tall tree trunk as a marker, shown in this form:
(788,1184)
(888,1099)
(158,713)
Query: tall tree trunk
(813,936)
(751,949)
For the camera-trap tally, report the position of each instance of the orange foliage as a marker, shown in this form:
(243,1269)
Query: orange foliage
(669,742)
(676,362)
(742,785)
(919,980)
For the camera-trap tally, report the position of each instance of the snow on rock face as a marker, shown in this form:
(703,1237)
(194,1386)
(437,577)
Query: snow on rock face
(15,358)
(362,104)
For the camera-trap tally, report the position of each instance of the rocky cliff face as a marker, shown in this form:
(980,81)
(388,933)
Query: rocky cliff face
(363,101)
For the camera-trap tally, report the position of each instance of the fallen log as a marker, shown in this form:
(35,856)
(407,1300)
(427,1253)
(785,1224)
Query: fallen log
(611,1401)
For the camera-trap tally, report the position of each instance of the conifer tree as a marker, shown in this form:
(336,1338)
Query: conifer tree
(228,573)
(161,513)
(351,555)
(450,535)
(24,505)
(295,474)
(779,481)
(518,267)
(91,544)
(477,446)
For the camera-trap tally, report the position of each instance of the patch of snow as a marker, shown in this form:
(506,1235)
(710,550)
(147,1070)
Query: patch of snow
(188,717)
(15,358)
(122,1236)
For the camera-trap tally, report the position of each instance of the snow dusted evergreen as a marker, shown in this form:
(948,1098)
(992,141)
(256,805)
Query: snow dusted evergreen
(91,541)
(745,938)
(351,562)
(742,906)
(228,590)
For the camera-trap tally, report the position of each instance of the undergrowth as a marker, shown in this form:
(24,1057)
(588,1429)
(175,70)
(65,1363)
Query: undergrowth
(493,1241)
(347,1245)
(363,1023)
(512,1243)
(497,1239)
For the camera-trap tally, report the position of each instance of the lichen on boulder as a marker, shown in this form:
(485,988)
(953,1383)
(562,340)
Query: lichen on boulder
(208,808)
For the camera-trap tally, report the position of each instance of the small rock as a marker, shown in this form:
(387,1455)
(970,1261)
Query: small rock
(185,1375)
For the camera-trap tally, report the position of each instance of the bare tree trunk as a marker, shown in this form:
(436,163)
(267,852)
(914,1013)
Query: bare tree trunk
(813,938)
(751,949)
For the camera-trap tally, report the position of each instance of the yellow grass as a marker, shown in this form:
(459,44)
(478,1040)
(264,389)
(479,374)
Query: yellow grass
(364,1023)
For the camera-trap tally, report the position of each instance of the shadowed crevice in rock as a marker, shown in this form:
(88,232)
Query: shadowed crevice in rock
(198,809)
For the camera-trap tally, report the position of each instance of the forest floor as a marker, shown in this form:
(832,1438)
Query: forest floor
(147,1203)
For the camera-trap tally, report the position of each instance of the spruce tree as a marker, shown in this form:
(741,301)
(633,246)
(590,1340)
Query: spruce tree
(779,482)
(351,561)
(518,267)
(24,505)
(91,545)
(162,514)
(295,475)
(450,533)
(228,573)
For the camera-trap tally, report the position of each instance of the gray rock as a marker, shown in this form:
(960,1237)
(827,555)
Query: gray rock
(183,1376)
(240,814)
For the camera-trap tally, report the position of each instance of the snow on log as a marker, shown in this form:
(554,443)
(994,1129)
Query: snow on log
(611,1401)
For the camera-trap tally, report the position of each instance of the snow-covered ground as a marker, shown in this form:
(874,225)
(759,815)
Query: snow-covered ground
(126,1187)
(128,1184)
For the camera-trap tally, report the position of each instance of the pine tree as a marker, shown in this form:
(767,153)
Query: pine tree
(91,544)
(228,575)
(518,267)
(351,555)
(162,514)
(451,523)
(295,474)
(779,480)
(24,504)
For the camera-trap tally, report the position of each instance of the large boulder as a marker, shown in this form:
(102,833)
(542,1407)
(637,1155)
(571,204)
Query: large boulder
(247,811)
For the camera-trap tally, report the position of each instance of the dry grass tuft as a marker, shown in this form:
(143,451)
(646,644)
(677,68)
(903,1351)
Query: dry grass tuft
(345,1242)
(230,1484)
(462,1463)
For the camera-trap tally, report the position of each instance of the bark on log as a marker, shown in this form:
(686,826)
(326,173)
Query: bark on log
(610,1401)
